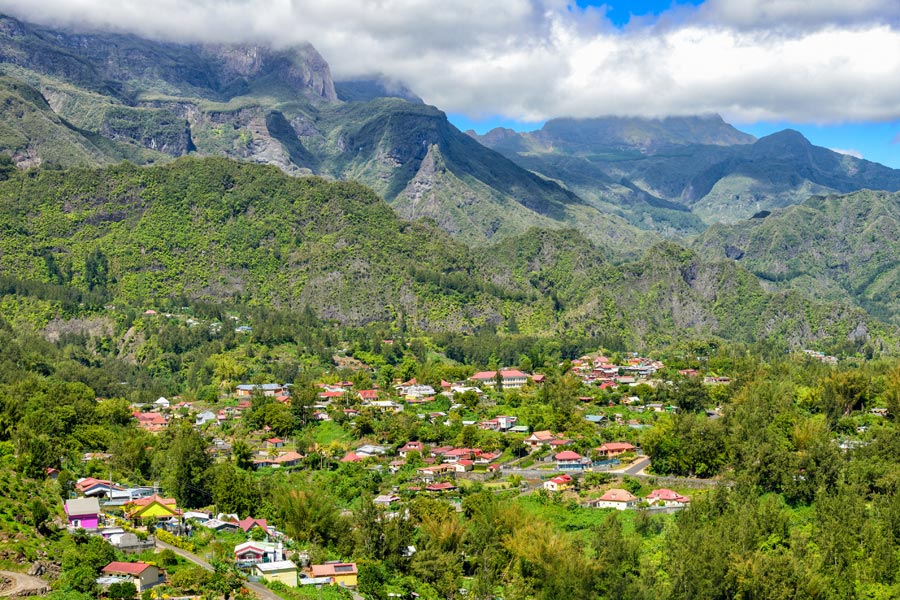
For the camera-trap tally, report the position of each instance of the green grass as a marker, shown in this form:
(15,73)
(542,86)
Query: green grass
(327,432)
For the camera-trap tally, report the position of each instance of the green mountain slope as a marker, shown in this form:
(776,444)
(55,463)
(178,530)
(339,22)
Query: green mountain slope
(33,134)
(217,230)
(678,174)
(834,247)
(281,107)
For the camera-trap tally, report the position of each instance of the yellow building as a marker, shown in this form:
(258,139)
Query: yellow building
(284,571)
(152,507)
(343,574)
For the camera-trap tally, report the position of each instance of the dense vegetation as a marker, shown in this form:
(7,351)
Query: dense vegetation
(217,230)
(836,247)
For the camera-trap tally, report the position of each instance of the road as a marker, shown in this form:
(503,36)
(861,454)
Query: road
(637,467)
(24,583)
(260,590)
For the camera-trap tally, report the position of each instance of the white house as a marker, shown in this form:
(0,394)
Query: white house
(615,498)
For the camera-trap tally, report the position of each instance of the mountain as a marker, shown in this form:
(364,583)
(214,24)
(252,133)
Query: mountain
(114,97)
(220,230)
(683,173)
(370,88)
(834,247)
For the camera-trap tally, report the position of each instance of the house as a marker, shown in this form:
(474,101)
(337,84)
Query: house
(440,451)
(615,498)
(445,486)
(613,449)
(152,422)
(558,483)
(567,460)
(370,450)
(429,472)
(415,391)
(274,443)
(458,454)
(512,379)
(90,486)
(487,458)
(667,498)
(352,457)
(152,507)
(386,406)
(386,500)
(200,517)
(340,573)
(538,439)
(288,459)
(411,447)
(253,552)
(368,395)
(220,525)
(142,575)
(282,571)
(463,465)
(249,523)
(162,403)
(266,389)
(207,416)
(83,513)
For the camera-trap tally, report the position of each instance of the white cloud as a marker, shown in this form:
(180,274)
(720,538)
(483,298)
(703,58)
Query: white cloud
(782,14)
(826,61)
(848,152)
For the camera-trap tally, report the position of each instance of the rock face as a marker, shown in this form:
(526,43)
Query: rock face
(159,130)
(301,67)
(125,65)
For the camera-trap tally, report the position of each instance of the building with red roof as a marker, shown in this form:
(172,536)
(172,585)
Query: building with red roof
(668,498)
(558,483)
(142,575)
(613,449)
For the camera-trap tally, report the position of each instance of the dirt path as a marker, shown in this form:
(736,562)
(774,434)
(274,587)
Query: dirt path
(24,585)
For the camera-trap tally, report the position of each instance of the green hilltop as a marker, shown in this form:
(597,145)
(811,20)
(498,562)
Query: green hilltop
(219,230)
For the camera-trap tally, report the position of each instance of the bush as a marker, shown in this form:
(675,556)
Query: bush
(122,591)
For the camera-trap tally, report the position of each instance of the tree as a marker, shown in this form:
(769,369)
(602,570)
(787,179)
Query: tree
(690,395)
(186,464)
(234,490)
(243,454)
(96,270)
(310,515)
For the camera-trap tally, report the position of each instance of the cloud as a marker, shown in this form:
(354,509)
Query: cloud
(848,152)
(749,60)
(792,14)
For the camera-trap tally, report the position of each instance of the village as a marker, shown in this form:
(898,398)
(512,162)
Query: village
(585,464)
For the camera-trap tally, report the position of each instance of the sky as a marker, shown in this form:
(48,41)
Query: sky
(828,68)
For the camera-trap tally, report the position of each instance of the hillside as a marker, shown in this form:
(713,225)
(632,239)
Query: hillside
(108,97)
(682,173)
(832,247)
(218,230)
